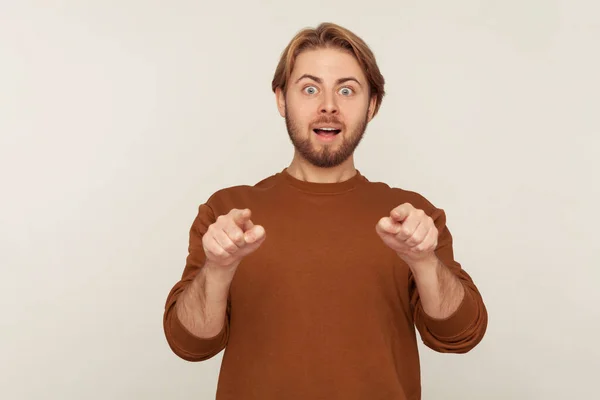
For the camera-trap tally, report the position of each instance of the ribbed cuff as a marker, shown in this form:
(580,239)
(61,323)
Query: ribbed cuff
(189,345)
(458,322)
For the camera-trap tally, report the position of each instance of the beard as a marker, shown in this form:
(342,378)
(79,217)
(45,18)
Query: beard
(326,157)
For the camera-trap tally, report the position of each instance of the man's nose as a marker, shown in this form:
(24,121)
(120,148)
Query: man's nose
(329,105)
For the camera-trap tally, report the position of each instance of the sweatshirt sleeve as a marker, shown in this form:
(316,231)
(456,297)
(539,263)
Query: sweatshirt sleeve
(465,328)
(181,341)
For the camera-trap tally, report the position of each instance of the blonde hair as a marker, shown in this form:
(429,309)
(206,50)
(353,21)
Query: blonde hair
(330,35)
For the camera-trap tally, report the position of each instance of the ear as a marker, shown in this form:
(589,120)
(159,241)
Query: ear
(280,99)
(372,104)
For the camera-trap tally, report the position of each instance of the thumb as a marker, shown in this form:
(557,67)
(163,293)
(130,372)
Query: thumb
(254,234)
(388,225)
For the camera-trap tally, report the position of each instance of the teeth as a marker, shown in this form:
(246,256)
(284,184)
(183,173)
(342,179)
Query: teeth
(327,129)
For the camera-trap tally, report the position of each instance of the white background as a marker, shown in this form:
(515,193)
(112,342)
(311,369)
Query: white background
(118,118)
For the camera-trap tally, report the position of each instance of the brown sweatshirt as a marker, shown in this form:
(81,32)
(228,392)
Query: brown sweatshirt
(323,309)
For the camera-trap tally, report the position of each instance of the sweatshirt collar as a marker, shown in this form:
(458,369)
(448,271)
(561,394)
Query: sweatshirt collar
(323,188)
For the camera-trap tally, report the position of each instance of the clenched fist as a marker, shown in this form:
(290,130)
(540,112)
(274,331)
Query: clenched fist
(410,232)
(232,237)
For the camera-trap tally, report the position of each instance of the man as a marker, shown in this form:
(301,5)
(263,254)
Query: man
(314,279)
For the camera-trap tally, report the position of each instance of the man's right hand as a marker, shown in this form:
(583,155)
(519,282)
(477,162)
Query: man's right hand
(231,238)
(202,307)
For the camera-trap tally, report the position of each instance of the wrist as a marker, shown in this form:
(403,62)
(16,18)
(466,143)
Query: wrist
(426,266)
(219,274)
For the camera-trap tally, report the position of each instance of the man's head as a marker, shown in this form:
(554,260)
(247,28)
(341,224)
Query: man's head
(327,78)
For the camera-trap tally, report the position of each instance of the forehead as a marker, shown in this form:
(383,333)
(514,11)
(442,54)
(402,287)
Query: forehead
(328,64)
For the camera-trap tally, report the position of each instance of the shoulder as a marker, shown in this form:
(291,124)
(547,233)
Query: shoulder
(237,196)
(399,195)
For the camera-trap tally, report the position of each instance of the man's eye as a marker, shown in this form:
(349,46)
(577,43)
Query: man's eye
(346,91)
(310,90)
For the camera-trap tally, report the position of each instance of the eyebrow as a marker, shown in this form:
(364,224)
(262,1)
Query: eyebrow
(319,80)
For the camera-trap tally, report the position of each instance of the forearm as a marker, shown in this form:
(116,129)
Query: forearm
(202,307)
(440,291)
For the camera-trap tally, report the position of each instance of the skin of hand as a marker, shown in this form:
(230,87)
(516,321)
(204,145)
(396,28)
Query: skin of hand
(411,233)
(231,238)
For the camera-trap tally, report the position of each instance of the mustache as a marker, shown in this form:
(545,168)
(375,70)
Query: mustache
(327,120)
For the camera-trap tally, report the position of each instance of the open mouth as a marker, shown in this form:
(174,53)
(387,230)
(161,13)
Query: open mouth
(326,131)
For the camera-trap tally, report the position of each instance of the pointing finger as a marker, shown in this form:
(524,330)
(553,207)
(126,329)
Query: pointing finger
(240,216)
(248,224)
(401,212)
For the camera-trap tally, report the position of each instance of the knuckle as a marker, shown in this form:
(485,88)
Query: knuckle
(230,248)
(225,253)
(219,252)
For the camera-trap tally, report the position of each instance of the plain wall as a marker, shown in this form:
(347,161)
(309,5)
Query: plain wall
(118,118)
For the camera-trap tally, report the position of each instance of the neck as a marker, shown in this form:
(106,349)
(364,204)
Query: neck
(305,171)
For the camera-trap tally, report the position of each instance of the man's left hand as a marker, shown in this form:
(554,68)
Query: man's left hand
(411,233)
